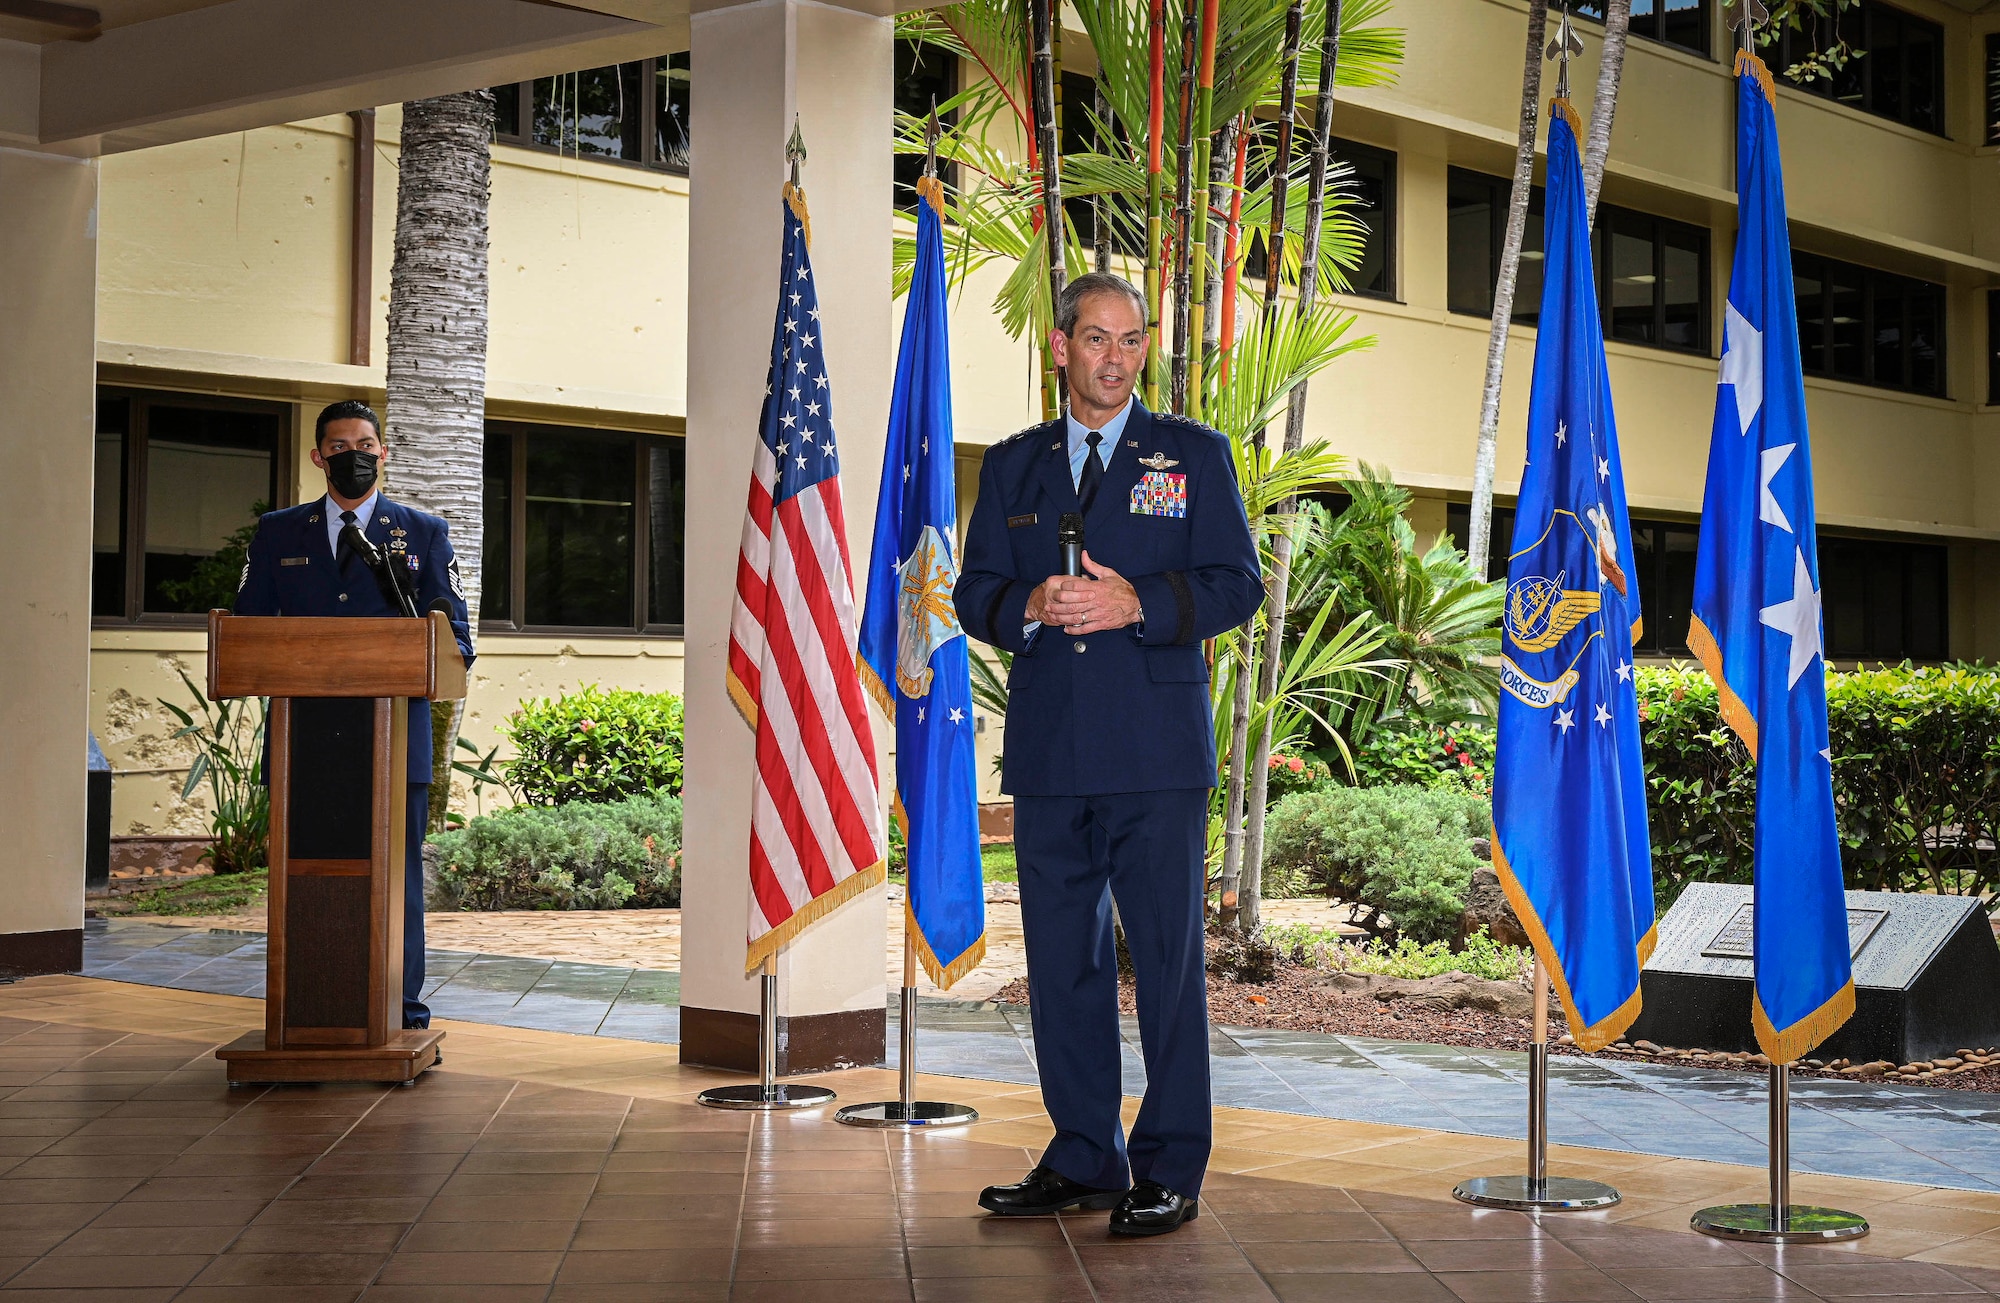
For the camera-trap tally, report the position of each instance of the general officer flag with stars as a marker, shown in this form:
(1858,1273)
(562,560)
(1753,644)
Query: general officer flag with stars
(914,652)
(1569,803)
(1756,623)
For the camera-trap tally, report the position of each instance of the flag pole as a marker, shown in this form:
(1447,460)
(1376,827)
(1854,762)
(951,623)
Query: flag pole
(769,1094)
(907,1110)
(1537,1191)
(1780,1221)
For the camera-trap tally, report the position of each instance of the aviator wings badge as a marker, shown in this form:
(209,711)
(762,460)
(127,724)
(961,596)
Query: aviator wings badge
(926,618)
(1159,461)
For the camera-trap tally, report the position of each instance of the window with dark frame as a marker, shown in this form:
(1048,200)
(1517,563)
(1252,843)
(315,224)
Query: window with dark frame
(627,112)
(1898,72)
(1652,272)
(584,530)
(1883,599)
(925,75)
(1370,192)
(1992,68)
(179,483)
(1683,24)
(1871,327)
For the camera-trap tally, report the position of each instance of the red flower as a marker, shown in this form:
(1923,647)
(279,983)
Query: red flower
(585,726)
(1296,765)
(1465,758)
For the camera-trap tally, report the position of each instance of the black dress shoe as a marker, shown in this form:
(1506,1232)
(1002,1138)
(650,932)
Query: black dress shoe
(1044,1191)
(1152,1209)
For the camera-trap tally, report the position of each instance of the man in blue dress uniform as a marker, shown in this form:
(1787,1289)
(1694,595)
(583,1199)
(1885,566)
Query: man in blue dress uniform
(299,566)
(1110,752)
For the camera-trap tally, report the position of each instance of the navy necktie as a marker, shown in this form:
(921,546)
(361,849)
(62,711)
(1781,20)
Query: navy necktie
(1093,471)
(342,552)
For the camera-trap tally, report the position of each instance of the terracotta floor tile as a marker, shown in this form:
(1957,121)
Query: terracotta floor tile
(1706,1284)
(1539,1253)
(558,1186)
(330,1212)
(110,1273)
(765,1206)
(619,1267)
(493,1267)
(1658,1249)
(180,1188)
(819,1262)
(943,1232)
(1280,1228)
(676,1233)
(455,1293)
(1004,1289)
(1362,1287)
(654,1208)
(820,1232)
(1863,1279)
(682,1292)
(1460,1223)
(1182,1289)
(288,1269)
(1171,1254)
(661,1184)
(1577,1286)
(366,1185)
(974,1261)
(829,1291)
(95,1241)
(730,1161)
(375,1238)
(14,1193)
(506,1208)
(761,1182)
(269,1294)
(1342,1256)
(570,1161)
(482,1237)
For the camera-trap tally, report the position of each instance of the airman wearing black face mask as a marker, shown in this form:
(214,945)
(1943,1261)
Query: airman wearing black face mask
(300,565)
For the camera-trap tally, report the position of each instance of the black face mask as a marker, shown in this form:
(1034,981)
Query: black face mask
(352,473)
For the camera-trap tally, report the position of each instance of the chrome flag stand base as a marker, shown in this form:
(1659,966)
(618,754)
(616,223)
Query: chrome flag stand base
(769,1094)
(908,1111)
(1537,1191)
(1780,1221)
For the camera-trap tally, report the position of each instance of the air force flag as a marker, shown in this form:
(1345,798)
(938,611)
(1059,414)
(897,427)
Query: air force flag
(910,636)
(1756,620)
(1569,802)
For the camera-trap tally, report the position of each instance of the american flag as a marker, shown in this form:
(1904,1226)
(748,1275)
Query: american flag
(815,823)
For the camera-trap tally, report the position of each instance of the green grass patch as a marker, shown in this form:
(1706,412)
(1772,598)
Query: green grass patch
(218,894)
(997,862)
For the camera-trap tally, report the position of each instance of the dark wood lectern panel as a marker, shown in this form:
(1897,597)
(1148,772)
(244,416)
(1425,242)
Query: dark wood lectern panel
(331,784)
(326,930)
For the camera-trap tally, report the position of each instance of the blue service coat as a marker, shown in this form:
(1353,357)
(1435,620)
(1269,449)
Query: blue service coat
(291,571)
(1121,710)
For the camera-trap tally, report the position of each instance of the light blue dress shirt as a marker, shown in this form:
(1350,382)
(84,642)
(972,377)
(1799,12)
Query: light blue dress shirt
(334,524)
(1078,450)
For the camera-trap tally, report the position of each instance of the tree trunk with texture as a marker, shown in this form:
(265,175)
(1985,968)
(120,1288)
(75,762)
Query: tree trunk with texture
(1479,543)
(1603,108)
(436,410)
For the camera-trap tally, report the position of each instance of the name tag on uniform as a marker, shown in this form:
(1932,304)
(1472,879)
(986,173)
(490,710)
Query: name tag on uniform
(1015,522)
(295,561)
(1160,493)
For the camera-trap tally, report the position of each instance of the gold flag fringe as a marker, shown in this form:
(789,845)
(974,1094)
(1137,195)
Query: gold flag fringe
(1734,713)
(1791,1043)
(795,197)
(739,696)
(1562,108)
(1606,1030)
(812,912)
(885,701)
(1747,61)
(942,975)
(932,189)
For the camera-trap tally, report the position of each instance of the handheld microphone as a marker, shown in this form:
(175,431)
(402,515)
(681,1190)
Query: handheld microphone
(441,606)
(1069,539)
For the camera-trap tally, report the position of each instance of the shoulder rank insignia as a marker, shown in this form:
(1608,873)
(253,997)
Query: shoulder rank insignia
(1159,461)
(1540,611)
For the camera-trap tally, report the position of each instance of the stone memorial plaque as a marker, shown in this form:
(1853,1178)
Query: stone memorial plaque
(1737,938)
(1926,976)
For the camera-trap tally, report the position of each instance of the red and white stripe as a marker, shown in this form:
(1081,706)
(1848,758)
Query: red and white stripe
(815,819)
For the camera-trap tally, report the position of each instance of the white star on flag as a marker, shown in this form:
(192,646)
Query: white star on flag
(1562,434)
(1743,365)
(957,715)
(1797,616)
(1624,671)
(1565,720)
(1603,716)
(1768,463)
(1603,469)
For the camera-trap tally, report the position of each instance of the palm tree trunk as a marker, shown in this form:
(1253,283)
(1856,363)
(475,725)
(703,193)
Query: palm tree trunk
(1050,143)
(1156,114)
(1479,543)
(1221,165)
(1200,258)
(1183,202)
(437,346)
(1604,107)
(1281,165)
(1100,207)
(1278,600)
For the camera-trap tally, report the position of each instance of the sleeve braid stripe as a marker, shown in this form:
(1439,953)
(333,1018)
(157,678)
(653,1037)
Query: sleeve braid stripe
(1183,606)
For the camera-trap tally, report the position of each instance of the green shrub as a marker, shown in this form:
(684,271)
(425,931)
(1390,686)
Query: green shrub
(615,855)
(1302,943)
(594,745)
(1418,753)
(1404,852)
(1916,779)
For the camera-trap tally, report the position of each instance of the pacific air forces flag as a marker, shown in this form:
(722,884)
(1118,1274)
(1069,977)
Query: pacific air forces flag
(914,652)
(1569,805)
(1756,620)
(815,829)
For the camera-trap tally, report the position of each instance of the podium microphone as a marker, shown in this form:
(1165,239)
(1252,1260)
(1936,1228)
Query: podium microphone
(1069,538)
(371,556)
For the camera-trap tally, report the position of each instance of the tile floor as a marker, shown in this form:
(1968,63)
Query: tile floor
(549,1166)
(1896,1133)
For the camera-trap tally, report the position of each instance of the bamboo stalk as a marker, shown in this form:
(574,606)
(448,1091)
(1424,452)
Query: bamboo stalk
(1156,107)
(1198,252)
(1277,601)
(1220,166)
(1045,75)
(1226,332)
(1281,165)
(1183,201)
(1100,205)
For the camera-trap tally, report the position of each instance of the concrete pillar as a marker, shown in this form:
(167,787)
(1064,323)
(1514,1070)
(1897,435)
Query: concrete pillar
(756,65)
(48,327)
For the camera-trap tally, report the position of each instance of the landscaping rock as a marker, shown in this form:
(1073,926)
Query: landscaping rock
(1443,992)
(1486,906)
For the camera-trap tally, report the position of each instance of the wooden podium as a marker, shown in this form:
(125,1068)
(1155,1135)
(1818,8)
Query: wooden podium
(339,731)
